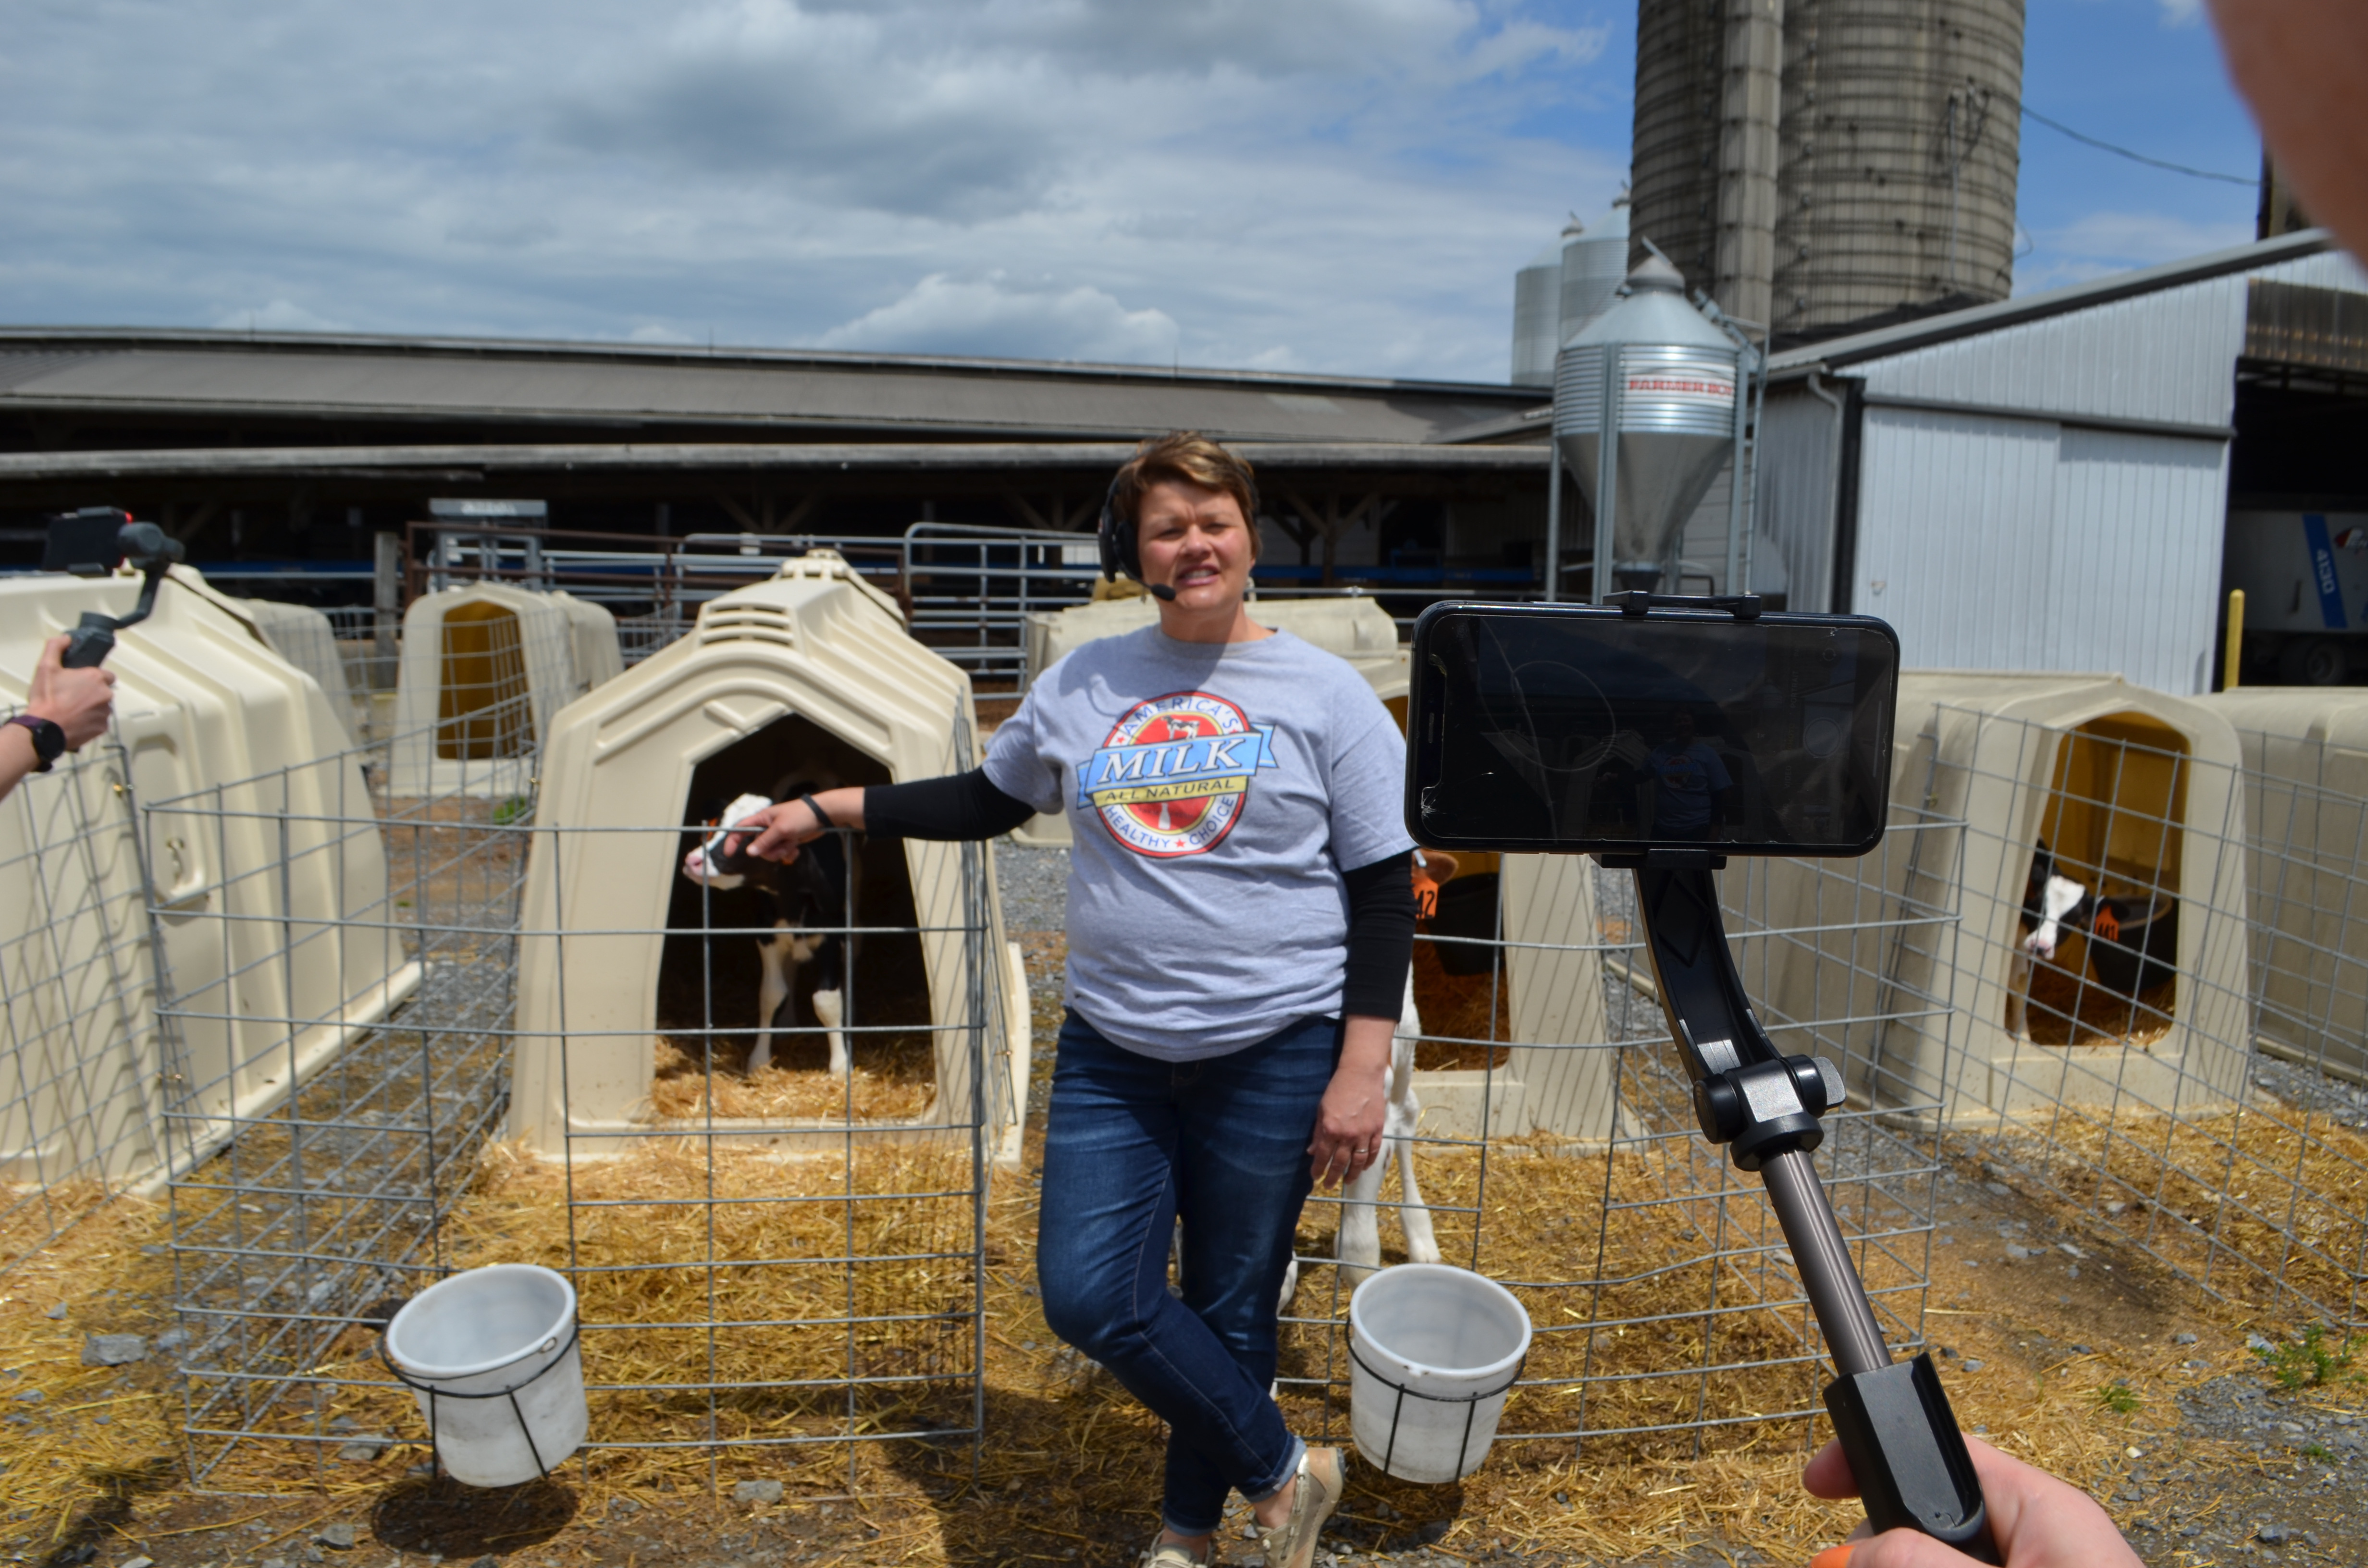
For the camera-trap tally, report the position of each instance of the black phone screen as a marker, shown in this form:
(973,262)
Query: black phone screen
(1577,728)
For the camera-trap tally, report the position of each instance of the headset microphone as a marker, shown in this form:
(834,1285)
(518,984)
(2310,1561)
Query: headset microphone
(1161,591)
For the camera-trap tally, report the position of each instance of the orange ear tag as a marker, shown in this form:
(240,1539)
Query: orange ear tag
(2108,926)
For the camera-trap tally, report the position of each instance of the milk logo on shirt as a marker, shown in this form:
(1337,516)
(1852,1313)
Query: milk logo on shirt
(1175,774)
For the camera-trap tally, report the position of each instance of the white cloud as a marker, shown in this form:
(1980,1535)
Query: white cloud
(2102,243)
(993,317)
(2182,13)
(1333,185)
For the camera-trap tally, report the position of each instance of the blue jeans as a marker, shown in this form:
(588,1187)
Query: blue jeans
(1131,1144)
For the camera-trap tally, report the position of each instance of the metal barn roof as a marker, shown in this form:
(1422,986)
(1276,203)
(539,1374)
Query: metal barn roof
(102,375)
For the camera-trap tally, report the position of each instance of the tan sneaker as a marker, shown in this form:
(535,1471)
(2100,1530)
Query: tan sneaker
(1171,1555)
(1292,1544)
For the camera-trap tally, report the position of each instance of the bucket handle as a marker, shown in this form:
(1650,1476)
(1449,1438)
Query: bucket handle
(575,1332)
(1470,1401)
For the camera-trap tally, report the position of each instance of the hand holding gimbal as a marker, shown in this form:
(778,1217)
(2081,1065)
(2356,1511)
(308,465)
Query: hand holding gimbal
(1517,712)
(93,542)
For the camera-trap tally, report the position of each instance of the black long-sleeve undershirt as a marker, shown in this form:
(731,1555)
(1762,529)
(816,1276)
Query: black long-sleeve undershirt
(959,806)
(1381,896)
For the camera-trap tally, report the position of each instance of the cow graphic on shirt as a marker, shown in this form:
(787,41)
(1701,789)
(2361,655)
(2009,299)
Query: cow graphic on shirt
(1174,777)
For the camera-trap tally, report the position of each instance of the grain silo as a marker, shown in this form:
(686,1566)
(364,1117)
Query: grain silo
(1565,286)
(1876,171)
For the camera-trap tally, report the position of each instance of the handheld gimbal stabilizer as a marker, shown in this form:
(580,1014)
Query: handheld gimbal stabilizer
(91,543)
(1589,730)
(1892,1416)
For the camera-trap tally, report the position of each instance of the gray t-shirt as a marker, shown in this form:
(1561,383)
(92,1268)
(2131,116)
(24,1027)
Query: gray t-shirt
(1216,792)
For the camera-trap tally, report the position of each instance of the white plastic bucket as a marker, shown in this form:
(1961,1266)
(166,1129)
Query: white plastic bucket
(1433,1349)
(491,1354)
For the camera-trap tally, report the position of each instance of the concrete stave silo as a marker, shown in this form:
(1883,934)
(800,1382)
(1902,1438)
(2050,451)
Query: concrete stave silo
(1895,144)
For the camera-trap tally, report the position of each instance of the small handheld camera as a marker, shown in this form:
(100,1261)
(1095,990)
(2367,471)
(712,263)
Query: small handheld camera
(93,542)
(1664,734)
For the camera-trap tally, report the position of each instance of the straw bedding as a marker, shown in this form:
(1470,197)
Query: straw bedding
(1071,1462)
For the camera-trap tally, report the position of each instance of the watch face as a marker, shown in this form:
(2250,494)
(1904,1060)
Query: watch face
(49,740)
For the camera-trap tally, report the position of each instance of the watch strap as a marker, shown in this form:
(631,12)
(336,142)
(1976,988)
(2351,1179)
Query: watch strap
(48,738)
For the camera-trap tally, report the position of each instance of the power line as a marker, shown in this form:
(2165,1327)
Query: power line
(2135,157)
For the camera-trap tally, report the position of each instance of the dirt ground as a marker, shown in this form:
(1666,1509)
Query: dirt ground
(2055,1347)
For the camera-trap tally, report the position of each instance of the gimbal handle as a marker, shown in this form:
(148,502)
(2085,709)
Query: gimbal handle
(1892,1419)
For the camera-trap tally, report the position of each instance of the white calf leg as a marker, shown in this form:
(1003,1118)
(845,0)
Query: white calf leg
(771,994)
(1360,1224)
(1422,1246)
(830,1012)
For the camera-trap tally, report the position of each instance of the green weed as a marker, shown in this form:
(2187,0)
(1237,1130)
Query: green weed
(511,809)
(2119,1398)
(2308,1360)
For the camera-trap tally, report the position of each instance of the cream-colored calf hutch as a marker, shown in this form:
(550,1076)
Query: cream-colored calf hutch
(486,669)
(2307,841)
(2133,794)
(273,919)
(808,676)
(306,639)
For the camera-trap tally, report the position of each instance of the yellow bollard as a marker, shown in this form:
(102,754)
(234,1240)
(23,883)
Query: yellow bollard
(2231,658)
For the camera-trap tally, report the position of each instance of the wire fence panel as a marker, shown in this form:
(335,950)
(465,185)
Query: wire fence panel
(769,1258)
(336,1082)
(777,1262)
(79,1085)
(2115,976)
(1664,1303)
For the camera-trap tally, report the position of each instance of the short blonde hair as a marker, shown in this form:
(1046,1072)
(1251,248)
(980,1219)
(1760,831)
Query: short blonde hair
(1193,459)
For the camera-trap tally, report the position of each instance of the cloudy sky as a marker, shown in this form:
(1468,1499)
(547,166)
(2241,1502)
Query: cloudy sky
(1317,185)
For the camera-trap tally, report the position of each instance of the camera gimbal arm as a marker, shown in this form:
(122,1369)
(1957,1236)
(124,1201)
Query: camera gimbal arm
(90,541)
(1893,1417)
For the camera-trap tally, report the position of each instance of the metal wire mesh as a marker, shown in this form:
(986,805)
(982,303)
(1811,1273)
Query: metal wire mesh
(78,1086)
(773,1260)
(752,1277)
(2118,1076)
(333,1083)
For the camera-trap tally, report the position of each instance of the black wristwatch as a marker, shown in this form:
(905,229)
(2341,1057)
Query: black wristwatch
(49,740)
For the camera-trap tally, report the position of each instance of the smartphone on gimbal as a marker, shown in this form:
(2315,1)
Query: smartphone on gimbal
(1592,729)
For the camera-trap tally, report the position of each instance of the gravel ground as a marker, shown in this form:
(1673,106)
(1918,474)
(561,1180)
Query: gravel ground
(1035,887)
(2308,1090)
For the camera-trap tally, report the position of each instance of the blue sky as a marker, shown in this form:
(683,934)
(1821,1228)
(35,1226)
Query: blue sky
(1317,185)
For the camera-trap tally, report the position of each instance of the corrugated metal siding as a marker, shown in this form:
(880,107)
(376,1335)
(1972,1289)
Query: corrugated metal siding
(2135,562)
(2166,356)
(1956,514)
(2013,544)
(1794,551)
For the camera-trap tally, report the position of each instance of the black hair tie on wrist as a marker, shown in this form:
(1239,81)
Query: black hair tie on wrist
(822,818)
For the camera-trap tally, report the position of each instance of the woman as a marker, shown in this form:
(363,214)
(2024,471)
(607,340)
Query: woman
(1240,924)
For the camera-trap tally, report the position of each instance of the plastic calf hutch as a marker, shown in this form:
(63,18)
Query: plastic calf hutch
(271,923)
(485,668)
(2306,837)
(306,639)
(810,673)
(2138,797)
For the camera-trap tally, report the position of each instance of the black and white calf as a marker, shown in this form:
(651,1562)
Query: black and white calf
(808,902)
